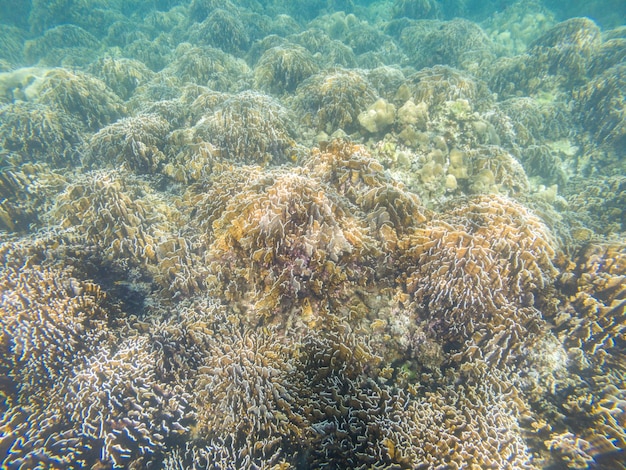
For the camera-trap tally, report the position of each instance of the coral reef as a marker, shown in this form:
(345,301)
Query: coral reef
(333,100)
(39,133)
(208,67)
(26,191)
(121,75)
(67,45)
(134,142)
(600,107)
(477,272)
(11,44)
(457,43)
(285,243)
(221,29)
(249,127)
(312,234)
(281,69)
(416,9)
(131,225)
(78,94)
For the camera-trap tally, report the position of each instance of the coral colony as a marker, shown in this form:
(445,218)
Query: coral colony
(311,234)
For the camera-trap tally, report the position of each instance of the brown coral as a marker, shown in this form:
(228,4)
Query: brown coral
(249,128)
(130,223)
(135,142)
(285,241)
(333,100)
(39,133)
(80,95)
(476,270)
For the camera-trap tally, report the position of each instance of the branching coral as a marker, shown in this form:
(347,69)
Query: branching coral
(475,273)
(333,100)
(416,9)
(439,84)
(566,49)
(281,69)
(135,142)
(246,396)
(249,128)
(80,95)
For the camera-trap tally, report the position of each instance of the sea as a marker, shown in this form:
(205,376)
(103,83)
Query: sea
(313,234)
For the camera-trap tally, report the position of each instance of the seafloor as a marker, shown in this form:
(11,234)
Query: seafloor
(312,234)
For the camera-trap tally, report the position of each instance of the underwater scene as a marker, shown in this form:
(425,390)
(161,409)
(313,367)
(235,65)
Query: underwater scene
(312,234)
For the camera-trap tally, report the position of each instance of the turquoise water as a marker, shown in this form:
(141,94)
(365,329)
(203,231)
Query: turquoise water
(312,234)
